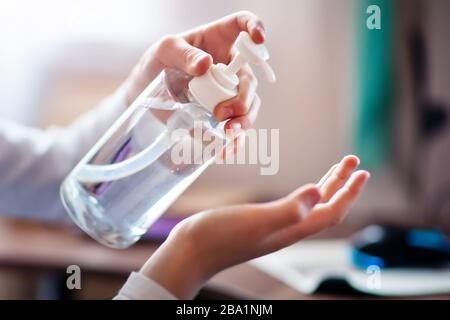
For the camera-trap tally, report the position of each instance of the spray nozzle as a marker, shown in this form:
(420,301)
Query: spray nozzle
(248,51)
(220,82)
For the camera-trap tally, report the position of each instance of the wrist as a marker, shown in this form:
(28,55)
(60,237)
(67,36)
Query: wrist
(176,269)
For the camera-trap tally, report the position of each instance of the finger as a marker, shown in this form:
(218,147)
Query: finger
(247,121)
(327,175)
(232,148)
(240,144)
(323,215)
(173,51)
(339,176)
(341,202)
(239,105)
(230,26)
(236,125)
(237,145)
(333,212)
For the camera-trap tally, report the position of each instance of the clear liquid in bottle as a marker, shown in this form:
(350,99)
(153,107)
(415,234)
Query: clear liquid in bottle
(129,178)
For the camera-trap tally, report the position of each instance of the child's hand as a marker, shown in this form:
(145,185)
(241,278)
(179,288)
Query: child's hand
(211,241)
(194,51)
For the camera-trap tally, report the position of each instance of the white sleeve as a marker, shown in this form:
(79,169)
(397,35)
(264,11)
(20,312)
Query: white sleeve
(33,162)
(139,287)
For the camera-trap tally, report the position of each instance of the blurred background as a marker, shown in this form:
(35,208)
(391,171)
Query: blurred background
(383,95)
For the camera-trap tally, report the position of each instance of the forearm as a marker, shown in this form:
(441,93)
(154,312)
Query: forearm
(34,161)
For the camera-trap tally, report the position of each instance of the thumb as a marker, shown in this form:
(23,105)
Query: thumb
(303,199)
(291,209)
(176,52)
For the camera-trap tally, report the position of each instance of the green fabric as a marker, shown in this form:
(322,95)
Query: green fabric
(374,85)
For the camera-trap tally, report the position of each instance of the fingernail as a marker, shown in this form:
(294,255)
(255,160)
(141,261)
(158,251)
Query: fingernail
(197,58)
(234,130)
(225,113)
(236,127)
(241,140)
(261,31)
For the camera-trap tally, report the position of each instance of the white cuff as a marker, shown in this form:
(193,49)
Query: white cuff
(139,287)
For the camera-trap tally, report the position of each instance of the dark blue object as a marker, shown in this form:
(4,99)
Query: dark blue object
(395,247)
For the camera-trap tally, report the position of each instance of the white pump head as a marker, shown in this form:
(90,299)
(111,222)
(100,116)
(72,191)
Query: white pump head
(220,82)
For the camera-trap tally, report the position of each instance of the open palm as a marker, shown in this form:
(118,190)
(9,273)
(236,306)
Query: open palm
(211,241)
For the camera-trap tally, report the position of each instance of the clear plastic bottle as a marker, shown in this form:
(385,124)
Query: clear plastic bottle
(130,178)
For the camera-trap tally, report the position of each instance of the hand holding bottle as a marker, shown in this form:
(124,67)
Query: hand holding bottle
(194,52)
(143,155)
(211,241)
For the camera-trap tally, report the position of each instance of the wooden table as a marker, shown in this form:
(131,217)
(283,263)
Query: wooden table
(33,246)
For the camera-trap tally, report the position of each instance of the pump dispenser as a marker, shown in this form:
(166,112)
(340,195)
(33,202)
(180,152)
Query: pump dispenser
(132,174)
(220,82)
